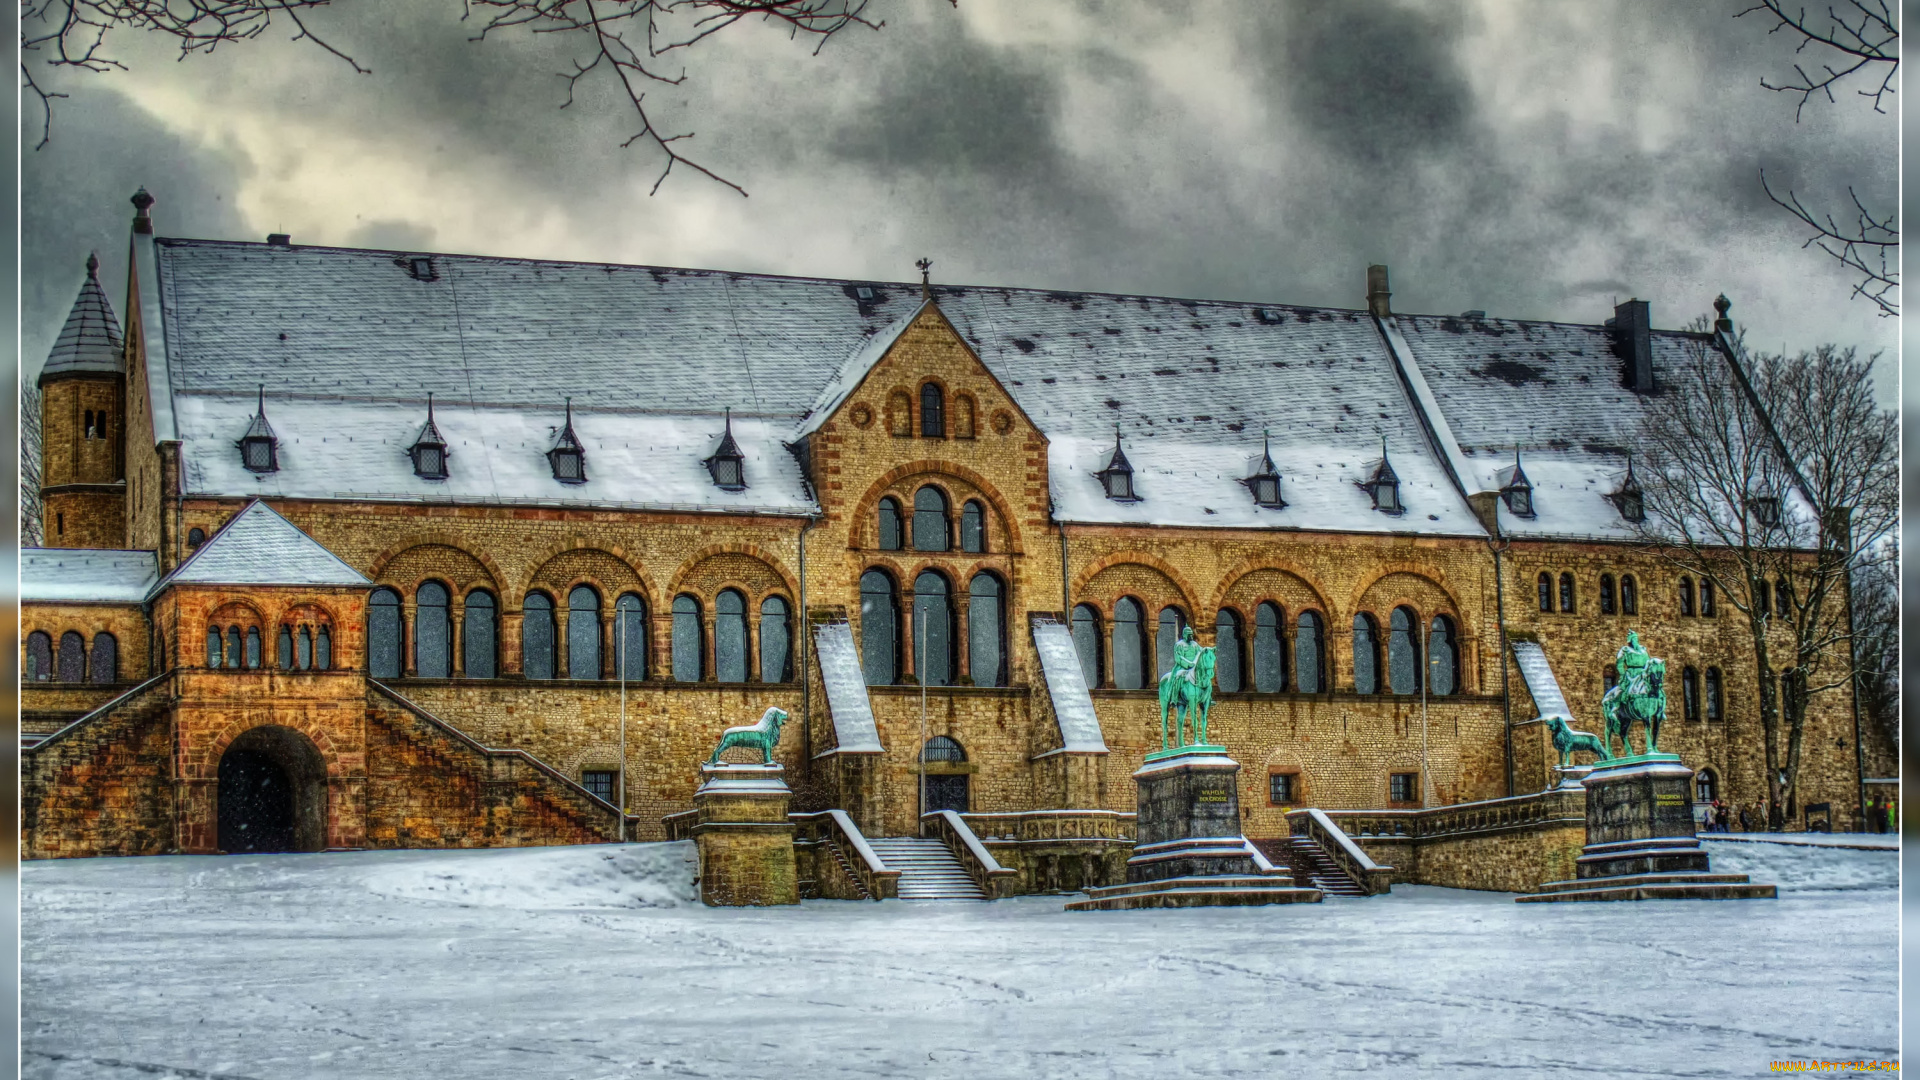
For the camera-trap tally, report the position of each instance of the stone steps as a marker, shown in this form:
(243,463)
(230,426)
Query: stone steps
(1320,869)
(928,871)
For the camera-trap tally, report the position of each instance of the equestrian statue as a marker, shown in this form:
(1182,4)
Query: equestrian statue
(763,736)
(1188,690)
(1638,697)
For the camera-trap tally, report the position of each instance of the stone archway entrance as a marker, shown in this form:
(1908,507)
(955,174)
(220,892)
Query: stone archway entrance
(272,793)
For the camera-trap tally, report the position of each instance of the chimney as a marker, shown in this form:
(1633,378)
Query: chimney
(279,239)
(1377,293)
(1633,337)
(141,202)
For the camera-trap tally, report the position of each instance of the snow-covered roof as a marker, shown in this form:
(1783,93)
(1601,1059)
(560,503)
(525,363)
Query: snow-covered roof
(90,340)
(75,575)
(847,379)
(259,547)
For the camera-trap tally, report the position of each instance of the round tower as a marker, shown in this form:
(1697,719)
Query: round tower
(83,487)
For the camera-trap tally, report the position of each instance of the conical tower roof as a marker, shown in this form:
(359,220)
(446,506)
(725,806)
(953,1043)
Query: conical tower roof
(91,339)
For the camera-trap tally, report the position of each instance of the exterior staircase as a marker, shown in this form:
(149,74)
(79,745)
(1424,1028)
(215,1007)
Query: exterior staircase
(928,871)
(1312,865)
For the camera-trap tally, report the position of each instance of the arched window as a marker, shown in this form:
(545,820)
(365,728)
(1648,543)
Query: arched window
(253,647)
(933,411)
(1606,594)
(1443,658)
(1308,654)
(303,656)
(973,527)
(213,647)
(1629,595)
(73,657)
(480,636)
(283,647)
(879,629)
(1403,652)
(730,636)
(986,631)
(776,637)
(1716,699)
(1690,694)
(1566,593)
(889,533)
(1782,598)
(944,751)
(1706,598)
(630,637)
(40,656)
(1269,648)
(1686,596)
(537,636)
(1172,621)
(930,520)
(1706,786)
(322,650)
(964,426)
(1366,654)
(104,665)
(1546,592)
(1763,599)
(933,629)
(1086,642)
(195,537)
(1229,669)
(383,635)
(236,648)
(432,631)
(1129,644)
(687,643)
(583,633)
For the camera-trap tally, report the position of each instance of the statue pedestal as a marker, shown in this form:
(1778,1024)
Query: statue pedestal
(744,838)
(1188,849)
(1640,839)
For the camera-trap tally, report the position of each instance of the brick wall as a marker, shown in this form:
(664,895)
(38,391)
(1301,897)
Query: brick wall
(105,789)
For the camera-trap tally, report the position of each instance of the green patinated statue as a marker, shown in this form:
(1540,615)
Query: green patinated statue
(1188,690)
(1638,697)
(763,736)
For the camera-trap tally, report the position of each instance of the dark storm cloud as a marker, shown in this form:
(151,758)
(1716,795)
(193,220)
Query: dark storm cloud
(1371,79)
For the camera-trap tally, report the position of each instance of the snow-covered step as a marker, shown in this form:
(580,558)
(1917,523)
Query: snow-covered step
(928,871)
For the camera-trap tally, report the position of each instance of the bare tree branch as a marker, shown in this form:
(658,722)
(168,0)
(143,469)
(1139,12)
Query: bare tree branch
(1870,247)
(1872,38)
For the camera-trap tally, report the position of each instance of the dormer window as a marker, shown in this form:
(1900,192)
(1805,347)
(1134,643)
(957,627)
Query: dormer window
(568,458)
(1631,502)
(727,464)
(259,449)
(1383,485)
(418,267)
(1515,489)
(1765,510)
(429,450)
(1265,481)
(1117,477)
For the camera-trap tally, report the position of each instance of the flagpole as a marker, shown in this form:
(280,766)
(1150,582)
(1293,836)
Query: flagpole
(920,639)
(620,657)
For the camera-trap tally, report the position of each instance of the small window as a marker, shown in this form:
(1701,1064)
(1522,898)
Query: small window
(213,647)
(879,629)
(568,458)
(1716,698)
(1403,787)
(1117,477)
(283,648)
(253,648)
(727,464)
(1629,595)
(1280,788)
(1546,592)
(1566,593)
(236,648)
(305,654)
(933,412)
(889,529)
(943,750)
(601,783)
(1706,598)
(933,629)
(322,650)
(1686,596)
(986,637)
(1383,484)
(195,537)
(429,450)
(1706,786)
(421,267)
(259,449)
(973,527)
(432,632)
(1690,694)
(1606,594)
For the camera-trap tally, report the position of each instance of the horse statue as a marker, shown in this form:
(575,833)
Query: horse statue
(1566,740)
(1638,697)
(1188,689)
(763,736)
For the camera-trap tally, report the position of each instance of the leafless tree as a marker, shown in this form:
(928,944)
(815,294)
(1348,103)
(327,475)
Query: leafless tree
(1876,621)
(30,527)
(631,42)
(1858,41)
(1776,479)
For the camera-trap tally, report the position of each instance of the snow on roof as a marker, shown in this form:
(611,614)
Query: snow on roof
(259,547)
(73,575)
(1067,689)
(853,728)
(90,340)
(1541,685)
(855,369)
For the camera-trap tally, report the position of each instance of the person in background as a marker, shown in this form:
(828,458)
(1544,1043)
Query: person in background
(1746,820)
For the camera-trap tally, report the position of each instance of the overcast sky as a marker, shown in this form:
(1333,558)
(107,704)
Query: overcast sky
(1538,160)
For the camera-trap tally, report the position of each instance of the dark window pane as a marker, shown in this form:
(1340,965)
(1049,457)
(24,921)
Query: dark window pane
(479,636)
(601,783)
(944,750)
(213,647)
(1706,599)
(730,636)
(687,641)
(1366,655)
(1172,621)
(973,527)
(933,627)
(303,659)
(1403,787)
(1269,652)
(1227,666)
(776,641)
(40,656)
(283,648)
(536,636)
(929,520)
(1443,657)
(1086,642)
(104,665)
(986,661)
(1306,654)
(432,632)
(1690,694)
(73,657)
(322,650)
(630,634)
(1280,789)
(1714,695)
(879,629)
(583,633)
(1566,593)
(933,412)
(1546,592)
(889,525)
(1629,596)
(236,649)
(1606,594)
(1686,596)
(195,537)
(1129,645)
(1403,654)
(383,634)
(253,647)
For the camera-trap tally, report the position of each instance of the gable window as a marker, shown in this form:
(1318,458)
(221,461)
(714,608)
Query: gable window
(383,634)
(888,538)
(973,527)
(1307,654)
(537,636)
(1403,652)
(1606,594)
(776,652)
(1629,595)
(259,448)
(1383,484)
(730,636)
(1546,592)
(1086,642)
(1129,644)
(568,458)
(933,411)
(727,464)
(986,648)
(432,632)
(1269,648)
(1229,670)
(429,450)
(1366,654)
(1686,596)
(1566,593)
(583,632)
(964,424)
(930,525)
(688,639)
(879,629)
(195,537)
(933,629)
(629,638)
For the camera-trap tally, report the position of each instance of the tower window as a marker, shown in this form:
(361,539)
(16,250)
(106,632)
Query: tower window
(933,411)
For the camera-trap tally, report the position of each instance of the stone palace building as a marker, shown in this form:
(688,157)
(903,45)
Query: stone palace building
(358,548)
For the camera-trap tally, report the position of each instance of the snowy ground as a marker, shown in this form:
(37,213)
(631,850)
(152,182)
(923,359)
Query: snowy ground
(597,962)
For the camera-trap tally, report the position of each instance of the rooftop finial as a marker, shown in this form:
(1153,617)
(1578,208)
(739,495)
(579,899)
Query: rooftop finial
(262,407)
(141,203)
(93,264)
(926,277)
(429,406)
(1723,305)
